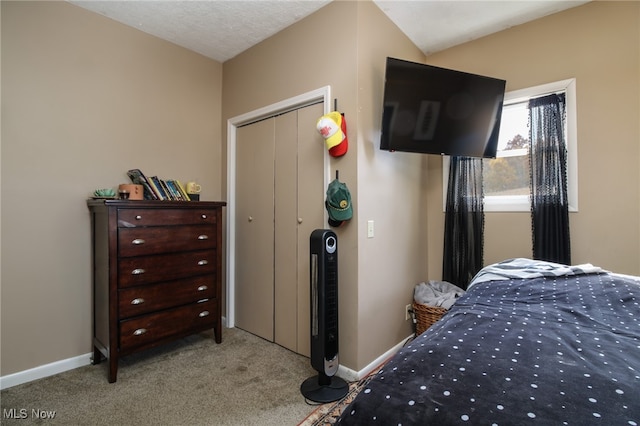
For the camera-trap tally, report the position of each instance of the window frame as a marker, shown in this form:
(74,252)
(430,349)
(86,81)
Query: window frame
(522,203)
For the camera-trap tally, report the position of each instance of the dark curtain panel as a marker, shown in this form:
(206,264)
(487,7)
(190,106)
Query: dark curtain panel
(548,160)
(464,222)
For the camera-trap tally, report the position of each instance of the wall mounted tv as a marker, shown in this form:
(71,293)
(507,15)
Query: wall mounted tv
(433,110)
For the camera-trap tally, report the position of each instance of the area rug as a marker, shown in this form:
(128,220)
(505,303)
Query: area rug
(328,414)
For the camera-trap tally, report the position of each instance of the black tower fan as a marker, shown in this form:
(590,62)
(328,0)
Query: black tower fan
(325,387)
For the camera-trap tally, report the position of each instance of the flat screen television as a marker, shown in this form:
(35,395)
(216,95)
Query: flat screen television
(433,110)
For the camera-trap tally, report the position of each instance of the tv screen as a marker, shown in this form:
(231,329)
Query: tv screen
(433,110)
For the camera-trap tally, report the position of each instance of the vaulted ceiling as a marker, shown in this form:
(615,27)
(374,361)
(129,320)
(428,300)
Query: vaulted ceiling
(221,29)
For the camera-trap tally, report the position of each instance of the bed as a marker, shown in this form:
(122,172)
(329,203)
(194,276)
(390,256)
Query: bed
(529,342)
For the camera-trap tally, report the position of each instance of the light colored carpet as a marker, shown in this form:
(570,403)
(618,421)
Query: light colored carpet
(245,380)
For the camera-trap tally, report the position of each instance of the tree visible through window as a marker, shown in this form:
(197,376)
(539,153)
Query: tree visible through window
(508,173)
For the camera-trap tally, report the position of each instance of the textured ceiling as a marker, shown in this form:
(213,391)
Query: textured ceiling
(435,25)
(221,29)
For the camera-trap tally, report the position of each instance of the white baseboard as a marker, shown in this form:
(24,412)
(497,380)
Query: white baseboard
(352,375)
(43,371)
(47,370)
(61,366)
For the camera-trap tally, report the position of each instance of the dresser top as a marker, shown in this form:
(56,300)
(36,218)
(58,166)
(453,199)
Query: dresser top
(93,203)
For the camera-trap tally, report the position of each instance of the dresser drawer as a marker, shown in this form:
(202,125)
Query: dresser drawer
(140,331)
(130,218)
(134,301)
(134,271)
(160,239)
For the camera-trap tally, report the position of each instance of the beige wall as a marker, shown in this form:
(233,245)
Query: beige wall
(344,45)
(599,45)
(84,99)
(297,60)
(391,193)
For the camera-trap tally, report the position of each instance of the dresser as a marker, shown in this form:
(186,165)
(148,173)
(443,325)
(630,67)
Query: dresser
(156,274)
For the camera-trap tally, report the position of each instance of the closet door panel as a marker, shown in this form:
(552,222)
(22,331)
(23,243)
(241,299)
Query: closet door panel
(286,224)
(311,196)
(254,296)
(279,202)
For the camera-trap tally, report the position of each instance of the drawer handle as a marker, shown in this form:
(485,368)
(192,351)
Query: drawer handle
(203,314)
(137,241)
(137,301)
(202,300)
(202,288)
(140,332)
(203,262)
(203,237)
(138,217)
(204,216)
(138,271)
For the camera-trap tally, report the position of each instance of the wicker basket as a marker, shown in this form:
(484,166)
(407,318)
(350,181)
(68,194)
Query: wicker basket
(426,315)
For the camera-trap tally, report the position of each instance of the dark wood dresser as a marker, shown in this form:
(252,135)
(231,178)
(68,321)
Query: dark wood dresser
(156,274)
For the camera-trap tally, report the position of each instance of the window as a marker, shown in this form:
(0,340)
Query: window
(506,178)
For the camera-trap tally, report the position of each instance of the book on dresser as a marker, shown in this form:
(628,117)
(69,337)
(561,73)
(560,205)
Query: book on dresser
(139,178)
(160,188)
(180,187)
(156,274)
(174,190)
(155,189)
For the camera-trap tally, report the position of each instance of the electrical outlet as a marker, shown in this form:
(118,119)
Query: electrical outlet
(407,312)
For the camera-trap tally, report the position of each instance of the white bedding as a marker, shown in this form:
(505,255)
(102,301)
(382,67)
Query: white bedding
(528,268)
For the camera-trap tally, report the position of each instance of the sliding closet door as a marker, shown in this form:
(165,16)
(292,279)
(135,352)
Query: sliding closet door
(286,225)
(280,201)
(254,228)
(299,209)
(311,195)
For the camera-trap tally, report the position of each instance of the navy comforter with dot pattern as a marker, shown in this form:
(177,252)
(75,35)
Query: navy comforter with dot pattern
(548,351)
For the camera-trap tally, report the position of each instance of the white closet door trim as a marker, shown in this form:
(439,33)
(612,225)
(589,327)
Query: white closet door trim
(322,94)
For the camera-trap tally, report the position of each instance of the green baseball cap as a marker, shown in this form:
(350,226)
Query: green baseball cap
(338,202)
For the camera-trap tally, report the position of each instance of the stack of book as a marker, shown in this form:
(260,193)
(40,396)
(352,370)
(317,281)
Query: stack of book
(158,189)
